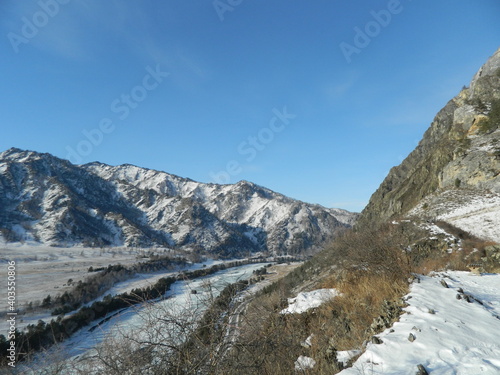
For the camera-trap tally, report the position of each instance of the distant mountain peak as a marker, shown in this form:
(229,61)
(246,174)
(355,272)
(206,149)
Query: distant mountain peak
(14,152)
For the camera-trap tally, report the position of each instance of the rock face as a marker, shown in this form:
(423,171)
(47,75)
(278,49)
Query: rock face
(461,149)
(51,201)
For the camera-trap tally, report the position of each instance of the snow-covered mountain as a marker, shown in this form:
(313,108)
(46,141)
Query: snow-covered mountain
(49,200)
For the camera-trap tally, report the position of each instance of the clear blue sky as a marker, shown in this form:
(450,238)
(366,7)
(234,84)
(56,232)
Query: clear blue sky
(287,94)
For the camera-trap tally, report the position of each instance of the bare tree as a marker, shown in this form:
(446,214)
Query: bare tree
(165,338)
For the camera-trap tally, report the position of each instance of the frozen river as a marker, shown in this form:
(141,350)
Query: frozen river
(181,301)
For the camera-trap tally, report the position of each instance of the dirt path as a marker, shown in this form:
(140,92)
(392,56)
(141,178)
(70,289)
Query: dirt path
(274,273)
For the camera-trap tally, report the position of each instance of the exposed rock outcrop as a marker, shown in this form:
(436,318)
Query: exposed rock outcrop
(461,149)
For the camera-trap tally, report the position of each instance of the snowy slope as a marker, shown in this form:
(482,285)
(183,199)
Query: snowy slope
(472,210)
(480,216)
(451,336)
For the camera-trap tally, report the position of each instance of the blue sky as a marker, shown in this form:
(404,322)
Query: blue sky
(314,99)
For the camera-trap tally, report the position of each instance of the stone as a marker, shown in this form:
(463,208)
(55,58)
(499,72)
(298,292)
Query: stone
(411,337)
(376,340)
(421,370)
(488,69)
(464,116)
(492,253)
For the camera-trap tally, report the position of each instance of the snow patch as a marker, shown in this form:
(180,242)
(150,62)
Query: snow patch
(480,216)
(309,300)
(345,356)
(304,363)
(474,211)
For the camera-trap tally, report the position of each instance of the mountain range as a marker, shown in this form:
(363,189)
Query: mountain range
(47,200)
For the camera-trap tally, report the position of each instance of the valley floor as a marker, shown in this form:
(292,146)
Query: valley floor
(44,270)
(440,331)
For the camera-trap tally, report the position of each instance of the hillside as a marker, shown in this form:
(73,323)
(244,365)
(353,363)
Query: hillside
(394,296)
(47,200)
(460,150)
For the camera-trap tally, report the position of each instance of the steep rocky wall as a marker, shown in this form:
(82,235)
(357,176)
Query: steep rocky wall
(455,151)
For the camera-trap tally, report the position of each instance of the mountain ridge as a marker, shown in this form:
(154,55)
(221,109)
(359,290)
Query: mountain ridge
(49,200)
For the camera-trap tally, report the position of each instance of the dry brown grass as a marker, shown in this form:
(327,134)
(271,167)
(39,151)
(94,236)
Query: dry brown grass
(472,251)
(457,260)
(370,269)
(343,323)
(270,343)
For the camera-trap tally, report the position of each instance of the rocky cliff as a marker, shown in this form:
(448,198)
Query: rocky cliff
(460,150)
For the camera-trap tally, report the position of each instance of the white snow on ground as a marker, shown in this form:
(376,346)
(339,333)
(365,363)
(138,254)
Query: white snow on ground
(434,230)
(143,280)
(452,336)
(43,270)
(308,300)
(480,216)
(482,221)
(474,211)
(345,355)
(304,363)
